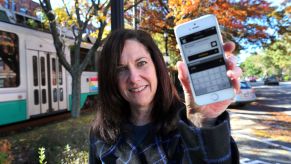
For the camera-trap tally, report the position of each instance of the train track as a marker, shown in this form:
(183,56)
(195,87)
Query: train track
(37,121)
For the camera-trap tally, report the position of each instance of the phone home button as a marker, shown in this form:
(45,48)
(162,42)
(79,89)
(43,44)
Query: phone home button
(214,96)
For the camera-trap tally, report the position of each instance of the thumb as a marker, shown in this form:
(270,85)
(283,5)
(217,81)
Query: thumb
(183,77)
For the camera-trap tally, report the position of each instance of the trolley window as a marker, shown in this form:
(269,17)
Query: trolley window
(42,71)
(43,92)
(60,74)
(3,16)
(54,73)
(9,60)
(61,92)
(35,71)
(36,97)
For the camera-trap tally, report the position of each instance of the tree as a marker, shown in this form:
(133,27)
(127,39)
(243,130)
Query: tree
(280,19)
(253,66)
(274,60)
(244,22)
(280,53)
(80,16)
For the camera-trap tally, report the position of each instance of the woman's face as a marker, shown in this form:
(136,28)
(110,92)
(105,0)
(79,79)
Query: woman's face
(137,79)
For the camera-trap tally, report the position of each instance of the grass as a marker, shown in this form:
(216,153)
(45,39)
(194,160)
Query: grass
(55,138)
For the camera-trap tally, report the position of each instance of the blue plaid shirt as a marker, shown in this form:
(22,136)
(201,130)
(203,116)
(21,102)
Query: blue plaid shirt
(187,144)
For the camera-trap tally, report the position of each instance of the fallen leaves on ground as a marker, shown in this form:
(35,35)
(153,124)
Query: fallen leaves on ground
(279,127)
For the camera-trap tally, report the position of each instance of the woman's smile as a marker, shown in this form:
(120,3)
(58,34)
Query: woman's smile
(138,89)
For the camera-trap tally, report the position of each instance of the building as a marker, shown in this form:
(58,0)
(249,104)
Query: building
(23,6)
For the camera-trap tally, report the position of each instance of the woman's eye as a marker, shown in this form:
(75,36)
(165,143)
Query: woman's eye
(121,69)
(141,63)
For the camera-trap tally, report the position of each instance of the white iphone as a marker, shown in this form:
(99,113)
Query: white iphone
(201,48)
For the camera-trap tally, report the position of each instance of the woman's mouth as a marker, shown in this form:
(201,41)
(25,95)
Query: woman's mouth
(138,89)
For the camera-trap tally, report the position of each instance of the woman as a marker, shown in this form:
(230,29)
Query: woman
(140,118)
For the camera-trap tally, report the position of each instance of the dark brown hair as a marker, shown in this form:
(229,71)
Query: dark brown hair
(112,109)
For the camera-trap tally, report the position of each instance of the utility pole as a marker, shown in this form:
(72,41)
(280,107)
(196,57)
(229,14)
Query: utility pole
(134,15)
(117,14)
(166,43)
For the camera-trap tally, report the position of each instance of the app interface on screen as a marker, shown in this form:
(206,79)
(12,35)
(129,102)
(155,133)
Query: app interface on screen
(205,61)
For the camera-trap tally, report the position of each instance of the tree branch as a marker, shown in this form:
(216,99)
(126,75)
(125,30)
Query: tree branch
(47,8)
(134,5)
(164,6)
(77,11)
(97,43)
(67,10)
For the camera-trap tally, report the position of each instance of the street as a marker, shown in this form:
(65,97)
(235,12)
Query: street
(262,128)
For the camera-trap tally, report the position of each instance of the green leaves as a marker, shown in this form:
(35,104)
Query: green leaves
(68,156)
(41,152)
(252,66)
(274,60)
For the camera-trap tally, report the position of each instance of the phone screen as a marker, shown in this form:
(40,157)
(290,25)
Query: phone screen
(204,58)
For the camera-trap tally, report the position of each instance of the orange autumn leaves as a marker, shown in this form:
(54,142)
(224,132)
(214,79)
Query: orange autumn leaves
(234,16)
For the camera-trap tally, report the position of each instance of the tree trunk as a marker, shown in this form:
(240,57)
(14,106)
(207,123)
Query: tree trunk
(76,92)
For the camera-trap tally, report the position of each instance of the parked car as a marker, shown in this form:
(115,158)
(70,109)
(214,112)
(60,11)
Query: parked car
(246,95)
(271,80)
(260,79)
(253,79)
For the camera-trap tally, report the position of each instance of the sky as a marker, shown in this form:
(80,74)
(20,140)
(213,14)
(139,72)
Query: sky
(54,3)
(244,54)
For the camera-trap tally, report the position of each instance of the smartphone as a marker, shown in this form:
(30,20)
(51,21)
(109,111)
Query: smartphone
(201,48)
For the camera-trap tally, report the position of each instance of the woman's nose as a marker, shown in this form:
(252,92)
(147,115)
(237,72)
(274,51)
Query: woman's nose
(134,75)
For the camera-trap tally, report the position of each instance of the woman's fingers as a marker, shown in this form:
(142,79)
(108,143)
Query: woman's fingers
(234,73)
(236,85)
(231,61)
(228,47)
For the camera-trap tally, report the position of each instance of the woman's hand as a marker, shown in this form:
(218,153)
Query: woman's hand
(210,111)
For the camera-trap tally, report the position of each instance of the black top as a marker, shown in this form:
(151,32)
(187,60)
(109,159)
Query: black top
(187,144)
(138,133)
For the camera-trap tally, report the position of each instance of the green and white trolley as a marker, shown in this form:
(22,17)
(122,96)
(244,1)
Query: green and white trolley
(32,82)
